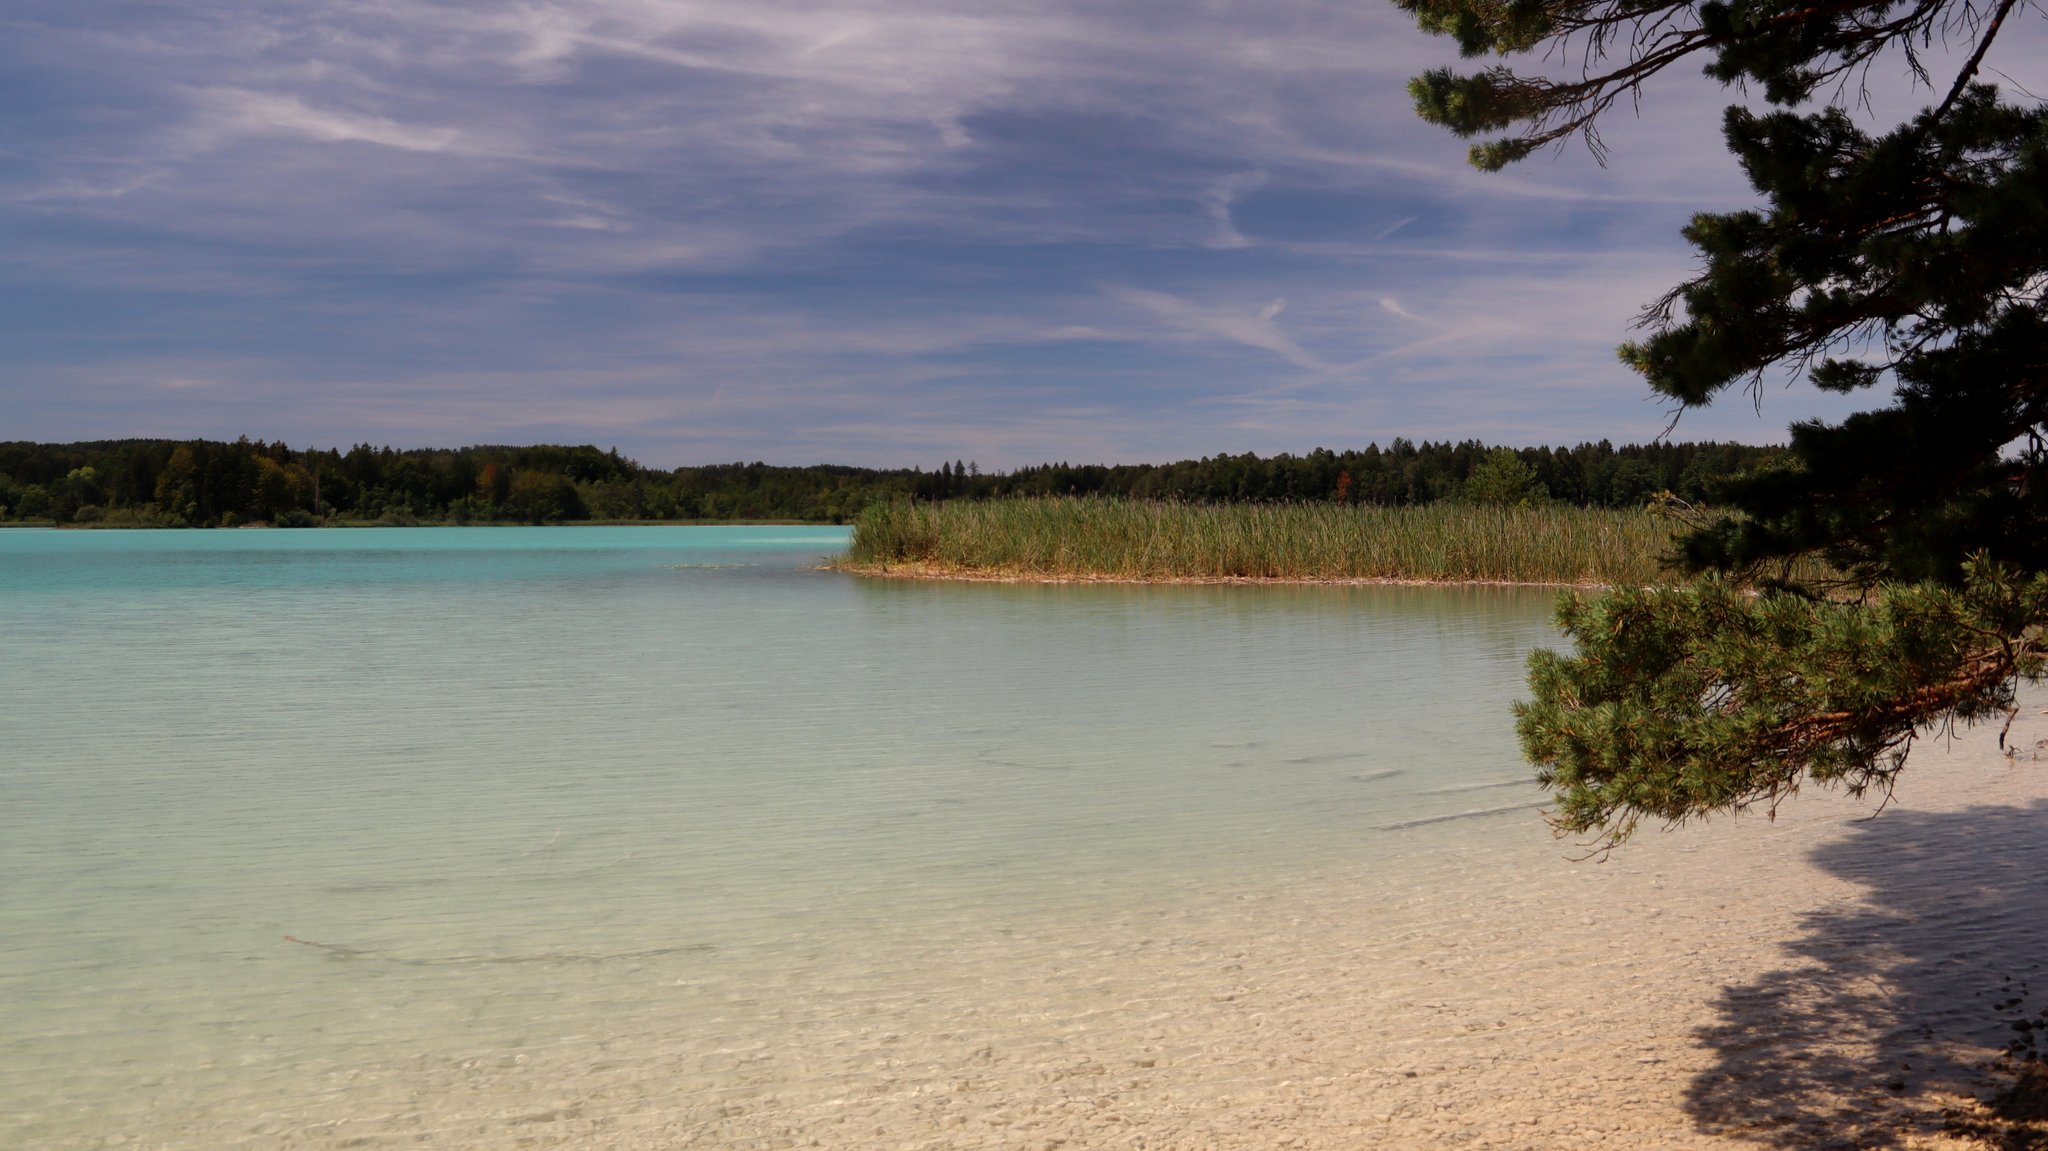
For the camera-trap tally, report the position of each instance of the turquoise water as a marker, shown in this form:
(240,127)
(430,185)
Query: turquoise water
(602,804)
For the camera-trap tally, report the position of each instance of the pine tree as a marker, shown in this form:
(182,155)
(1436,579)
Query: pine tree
(1893,574)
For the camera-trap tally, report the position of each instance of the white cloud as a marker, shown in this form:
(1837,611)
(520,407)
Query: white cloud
(75,189)
(1387,232)
(230,112)
(1217,200)
(1256,329)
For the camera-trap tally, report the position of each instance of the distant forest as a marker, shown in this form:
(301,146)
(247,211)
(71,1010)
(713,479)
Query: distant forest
(181,483)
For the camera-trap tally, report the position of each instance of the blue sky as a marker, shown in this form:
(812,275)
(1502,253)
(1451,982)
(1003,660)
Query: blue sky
(884,232)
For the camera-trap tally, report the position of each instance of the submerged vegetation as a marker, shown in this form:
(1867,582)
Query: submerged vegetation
(1101,538)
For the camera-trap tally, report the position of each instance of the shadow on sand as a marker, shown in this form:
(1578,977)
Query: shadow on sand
(1899,1008)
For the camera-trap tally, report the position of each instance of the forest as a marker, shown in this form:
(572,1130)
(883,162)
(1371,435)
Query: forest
(207,483)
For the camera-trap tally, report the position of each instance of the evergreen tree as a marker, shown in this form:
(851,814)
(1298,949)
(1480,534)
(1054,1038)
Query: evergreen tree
(1900,557)
(1502,479)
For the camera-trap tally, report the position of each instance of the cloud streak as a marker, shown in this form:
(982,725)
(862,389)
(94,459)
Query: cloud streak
(228,112)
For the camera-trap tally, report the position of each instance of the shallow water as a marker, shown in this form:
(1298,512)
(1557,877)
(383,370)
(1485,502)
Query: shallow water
(388,835)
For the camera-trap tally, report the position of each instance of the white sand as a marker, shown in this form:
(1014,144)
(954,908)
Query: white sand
(1807,983)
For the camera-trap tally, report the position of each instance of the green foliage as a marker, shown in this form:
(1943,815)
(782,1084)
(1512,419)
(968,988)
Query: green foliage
(1682,701)
(1615,47)
(544,497)
(1935,239)
(1403,472)
(33,503)
(1914,258)
(202,483)
(78,489)
(1504,480)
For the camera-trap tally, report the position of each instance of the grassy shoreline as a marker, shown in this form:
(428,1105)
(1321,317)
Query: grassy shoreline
(1136,541)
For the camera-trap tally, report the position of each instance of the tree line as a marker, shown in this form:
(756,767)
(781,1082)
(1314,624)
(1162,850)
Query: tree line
(204,483)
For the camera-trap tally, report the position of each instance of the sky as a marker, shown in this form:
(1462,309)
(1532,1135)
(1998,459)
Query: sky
(875,232)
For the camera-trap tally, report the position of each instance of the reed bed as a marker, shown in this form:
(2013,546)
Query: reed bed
(1095,538)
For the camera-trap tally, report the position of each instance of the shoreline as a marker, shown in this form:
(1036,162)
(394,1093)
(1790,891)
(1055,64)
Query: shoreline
(942,573)
(1702,990)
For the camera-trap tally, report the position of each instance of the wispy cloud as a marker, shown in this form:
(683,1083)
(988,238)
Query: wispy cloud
(1217,200)
(1254,328)
(783,227)
(228,112)
(85,190)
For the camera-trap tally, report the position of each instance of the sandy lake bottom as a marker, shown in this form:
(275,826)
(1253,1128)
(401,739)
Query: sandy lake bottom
(625,840)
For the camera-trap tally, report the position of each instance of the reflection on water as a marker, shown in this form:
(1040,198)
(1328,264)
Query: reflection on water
(305,824)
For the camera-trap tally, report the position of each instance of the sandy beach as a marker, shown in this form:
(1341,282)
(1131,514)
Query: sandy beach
(1821,980)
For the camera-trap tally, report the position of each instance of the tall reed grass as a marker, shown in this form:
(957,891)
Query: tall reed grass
(1151,540)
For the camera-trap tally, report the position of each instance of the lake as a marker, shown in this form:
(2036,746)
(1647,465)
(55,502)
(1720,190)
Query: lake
(649,835)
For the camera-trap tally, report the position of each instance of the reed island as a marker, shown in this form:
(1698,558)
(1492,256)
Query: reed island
(1135,540)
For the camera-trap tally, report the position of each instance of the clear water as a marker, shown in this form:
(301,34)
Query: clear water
(388,835)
